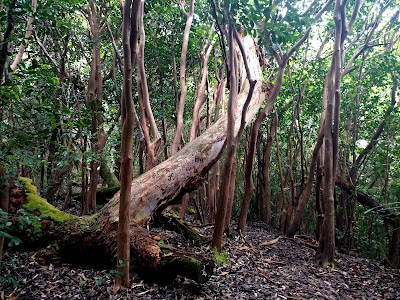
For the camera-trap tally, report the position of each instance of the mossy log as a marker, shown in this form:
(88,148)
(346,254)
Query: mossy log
(171,221)
(93,239)
(109,177)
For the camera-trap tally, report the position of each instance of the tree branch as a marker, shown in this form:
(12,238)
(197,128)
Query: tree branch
(43,48)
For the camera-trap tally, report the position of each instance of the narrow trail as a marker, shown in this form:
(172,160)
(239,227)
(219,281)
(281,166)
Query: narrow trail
(283,270)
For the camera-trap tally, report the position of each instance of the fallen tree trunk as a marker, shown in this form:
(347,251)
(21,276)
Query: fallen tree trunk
(184,171)
(92,239)
(368,201)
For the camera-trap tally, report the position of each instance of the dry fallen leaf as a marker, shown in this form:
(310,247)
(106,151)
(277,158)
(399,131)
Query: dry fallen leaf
(271,242)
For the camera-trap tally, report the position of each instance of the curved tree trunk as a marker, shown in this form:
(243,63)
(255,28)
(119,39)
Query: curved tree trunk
(185,170)
(195,128)
(182,79)
(92,240)
(28,34)
(89,238)
(153,147)
(94,102)
(265,202)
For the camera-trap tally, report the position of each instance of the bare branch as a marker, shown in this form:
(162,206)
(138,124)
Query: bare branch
(117,53)
(43,48)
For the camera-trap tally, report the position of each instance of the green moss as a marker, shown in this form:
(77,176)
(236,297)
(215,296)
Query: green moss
(174,214)
(37,203)
(186,230)
(191,211)
(220,257)
(86,223)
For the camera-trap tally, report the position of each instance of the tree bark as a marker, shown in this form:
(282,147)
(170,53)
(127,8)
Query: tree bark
(28,34)
(127,120)
(265,202)
(94,102)
(394,246)
(195,128)
(152,148)
(93,238)
(4,201)
(182,80)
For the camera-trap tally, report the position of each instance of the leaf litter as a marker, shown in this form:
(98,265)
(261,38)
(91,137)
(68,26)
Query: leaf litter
(281,268)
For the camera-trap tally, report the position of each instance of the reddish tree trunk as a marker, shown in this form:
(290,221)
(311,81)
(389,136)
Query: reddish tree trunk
(127,120)
(226,196)
(394,246)
(182,80)
(94,102)
(265,207)
(4,200)
(148,123)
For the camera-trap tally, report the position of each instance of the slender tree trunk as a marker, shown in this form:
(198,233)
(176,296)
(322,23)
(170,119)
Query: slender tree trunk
(307,191)
(147,119)
(326,247)
(28,34)
(318,201)
(161,87)
(195,129)
(231,192)
(265,209)
(249,185)
(214,189)
(293,197)
(387,174)
(94,102)
(50,158)
(4,201)
(84,181)
(260,185)
(226,184)
(394,246)
(130,27)
(174,73)
(182,80)
(4,44)
(341,214)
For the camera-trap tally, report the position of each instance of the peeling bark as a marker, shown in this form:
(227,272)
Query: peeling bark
(93,237)
(184,171)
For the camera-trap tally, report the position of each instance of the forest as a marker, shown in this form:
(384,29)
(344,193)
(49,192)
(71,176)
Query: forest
(182,149)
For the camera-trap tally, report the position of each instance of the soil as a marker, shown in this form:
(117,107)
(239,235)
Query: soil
(284,269)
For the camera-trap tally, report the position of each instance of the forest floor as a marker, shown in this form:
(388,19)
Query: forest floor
(282,270)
